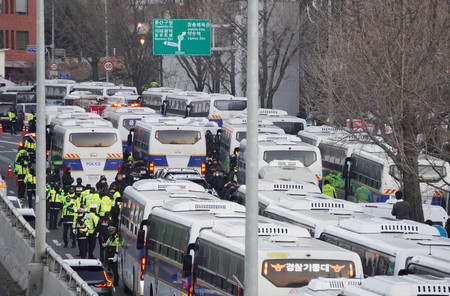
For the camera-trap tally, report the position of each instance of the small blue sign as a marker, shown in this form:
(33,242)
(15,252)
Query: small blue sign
(33,50)
(64,76)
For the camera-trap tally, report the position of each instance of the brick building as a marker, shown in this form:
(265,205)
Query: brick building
(17,30)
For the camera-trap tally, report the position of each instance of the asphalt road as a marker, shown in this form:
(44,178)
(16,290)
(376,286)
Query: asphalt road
(54,238)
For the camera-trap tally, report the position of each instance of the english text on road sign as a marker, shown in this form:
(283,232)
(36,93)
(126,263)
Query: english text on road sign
(181,37)
(108,66)
(53,66)
(32,49)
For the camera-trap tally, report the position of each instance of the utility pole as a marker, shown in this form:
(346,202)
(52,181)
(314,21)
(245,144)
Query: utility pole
(35,282)
(106,36)
(251,206)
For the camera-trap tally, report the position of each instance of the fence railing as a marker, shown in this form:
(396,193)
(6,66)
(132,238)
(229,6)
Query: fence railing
(53,261)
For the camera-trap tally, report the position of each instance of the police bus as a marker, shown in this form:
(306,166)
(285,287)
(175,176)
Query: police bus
(385,245)
(125,119)
(171,142)
(52,111)
(288,258)
(313,211)
(170,230)
(234,131)
(437,263)
(215,107)
(155,97)
(290,124)
(282,147)
(373,176)
(57,89)
(272,192)
(91,148)
(137,203)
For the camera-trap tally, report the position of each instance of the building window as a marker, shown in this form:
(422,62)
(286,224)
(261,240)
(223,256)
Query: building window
(1,38)
(21,40)
(22,6)
(1,6)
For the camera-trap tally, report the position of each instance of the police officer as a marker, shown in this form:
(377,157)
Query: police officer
(81,229)
(12,115)
(68,215)
(329,190)
(79,187)
(30,147)
(85,196)
(111,252)
(119,183)
(103,234)
(67,179)
(92,232)
(106,203)
(21,170)
(54,204)
(32,122)
(30,183)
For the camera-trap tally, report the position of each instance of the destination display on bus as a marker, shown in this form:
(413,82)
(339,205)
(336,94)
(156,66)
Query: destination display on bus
(298,272)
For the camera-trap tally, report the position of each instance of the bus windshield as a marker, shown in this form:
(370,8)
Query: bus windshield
(298,272)
(225,105)
(177,137)
(291,128)
(306,157)
(93,139)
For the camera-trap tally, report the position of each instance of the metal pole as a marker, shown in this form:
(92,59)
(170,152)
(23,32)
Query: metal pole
(251,227)
(106,36)
(53,32)
(36,278)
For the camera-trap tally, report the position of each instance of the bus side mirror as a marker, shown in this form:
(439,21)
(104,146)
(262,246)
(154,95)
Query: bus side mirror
(187,265)
(140,239)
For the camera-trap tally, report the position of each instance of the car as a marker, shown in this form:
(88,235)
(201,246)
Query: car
(15,201)
(185,174)
(29,215)
(94,274)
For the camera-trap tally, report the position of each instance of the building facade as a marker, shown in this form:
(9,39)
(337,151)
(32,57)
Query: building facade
(17,31)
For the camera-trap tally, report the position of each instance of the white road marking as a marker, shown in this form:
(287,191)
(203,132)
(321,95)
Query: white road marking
(69,256)
(8,142)
(46,230)
(8,151)
(11,192)
(55,241)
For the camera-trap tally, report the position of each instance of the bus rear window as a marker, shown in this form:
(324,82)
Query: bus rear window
(298,272)
(241,136)
(178,137)
(228,105)
(93,139)
(306,157)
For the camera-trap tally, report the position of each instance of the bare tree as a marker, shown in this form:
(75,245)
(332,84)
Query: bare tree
(80,29)
(132,39)
(386,62)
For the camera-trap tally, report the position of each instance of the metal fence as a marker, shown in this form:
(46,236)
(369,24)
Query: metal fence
(53,261)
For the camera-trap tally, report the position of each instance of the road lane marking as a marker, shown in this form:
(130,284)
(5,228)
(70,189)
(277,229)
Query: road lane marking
(69,256)
(55,241)
(8,142)
(11,192)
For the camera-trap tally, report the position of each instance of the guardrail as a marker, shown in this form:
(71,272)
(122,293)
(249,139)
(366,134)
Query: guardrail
(53,261)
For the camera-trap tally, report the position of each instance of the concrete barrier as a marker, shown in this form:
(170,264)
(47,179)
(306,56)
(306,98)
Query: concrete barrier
(17,255)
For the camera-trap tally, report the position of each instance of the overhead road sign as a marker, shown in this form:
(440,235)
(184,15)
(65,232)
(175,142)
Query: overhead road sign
(181,37)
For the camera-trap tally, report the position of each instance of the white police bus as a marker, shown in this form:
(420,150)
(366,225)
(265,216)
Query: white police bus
(171,142)
(170,230)
(125,119)
(90,148)
(138,201)
(281,147)
(288,258)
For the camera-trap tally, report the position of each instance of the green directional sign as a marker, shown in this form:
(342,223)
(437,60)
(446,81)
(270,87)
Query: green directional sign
(181,37)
